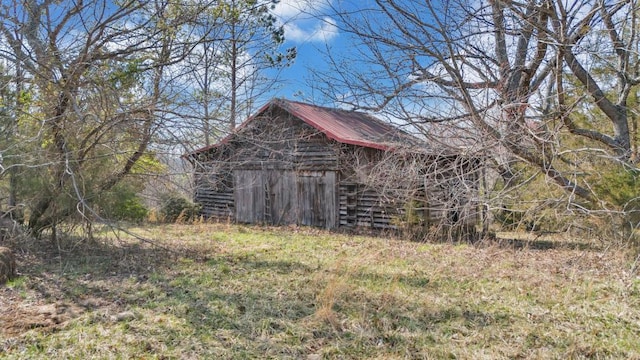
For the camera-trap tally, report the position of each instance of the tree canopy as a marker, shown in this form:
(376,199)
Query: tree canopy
(92,88)
(551,85)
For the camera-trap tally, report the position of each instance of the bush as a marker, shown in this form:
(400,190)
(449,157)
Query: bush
(175,207)
(620,186)
(123,203)
(131,209)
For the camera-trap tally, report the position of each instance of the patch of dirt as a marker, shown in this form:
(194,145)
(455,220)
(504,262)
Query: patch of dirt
(60,281)
(18,315)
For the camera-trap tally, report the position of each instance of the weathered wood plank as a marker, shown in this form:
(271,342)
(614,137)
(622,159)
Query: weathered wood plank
(249,196)
(278,173)
(317,199)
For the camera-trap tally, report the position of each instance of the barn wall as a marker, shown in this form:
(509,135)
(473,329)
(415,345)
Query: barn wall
(283,171)
(361,207)
(281,142)
(214,192)
(280,200)
(249,196)
(391,190)
(285,197)
(265,196)
(317,194)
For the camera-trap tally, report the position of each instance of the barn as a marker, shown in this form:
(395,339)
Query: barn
(297,163)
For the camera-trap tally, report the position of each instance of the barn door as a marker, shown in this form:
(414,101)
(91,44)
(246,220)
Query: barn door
(249,196)
(317,198)
(284,197)
(280,198)
(265,196)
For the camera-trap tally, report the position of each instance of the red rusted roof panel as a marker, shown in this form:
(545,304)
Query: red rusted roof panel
(348,127)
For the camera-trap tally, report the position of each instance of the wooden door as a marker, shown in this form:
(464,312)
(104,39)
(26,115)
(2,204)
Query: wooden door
(249,196)
(317,198)
(285,197)
(280,198)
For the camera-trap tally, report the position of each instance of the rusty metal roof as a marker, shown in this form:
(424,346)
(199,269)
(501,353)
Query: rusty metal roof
(344,126)
(350,127)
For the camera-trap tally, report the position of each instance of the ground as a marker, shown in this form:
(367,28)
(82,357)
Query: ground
(225,291)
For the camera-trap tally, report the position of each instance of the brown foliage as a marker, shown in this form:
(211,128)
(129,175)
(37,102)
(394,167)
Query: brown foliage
(7,265)
(9,230)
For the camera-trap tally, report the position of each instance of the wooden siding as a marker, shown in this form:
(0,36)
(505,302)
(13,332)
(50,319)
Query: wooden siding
(280,200)
(286,172)
(361,207)
(248,192)
(266,169)
(285,197)
(315,154)
(282,143)
(214,192)
(317,199)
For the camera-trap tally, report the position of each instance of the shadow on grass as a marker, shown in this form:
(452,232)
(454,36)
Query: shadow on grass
(538,243)
(109,278)
(217,302)
(523,240)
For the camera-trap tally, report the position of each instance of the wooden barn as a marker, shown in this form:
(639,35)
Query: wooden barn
(296,163)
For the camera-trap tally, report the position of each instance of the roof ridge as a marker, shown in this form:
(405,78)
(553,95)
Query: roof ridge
(345,126)
(390,125)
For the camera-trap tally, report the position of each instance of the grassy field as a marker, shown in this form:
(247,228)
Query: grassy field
(237,292)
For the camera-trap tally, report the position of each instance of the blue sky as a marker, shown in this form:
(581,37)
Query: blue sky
(311,33)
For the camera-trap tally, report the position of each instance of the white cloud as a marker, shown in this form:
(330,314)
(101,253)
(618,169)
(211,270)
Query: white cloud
(303,23)
(322,30)
(288,9)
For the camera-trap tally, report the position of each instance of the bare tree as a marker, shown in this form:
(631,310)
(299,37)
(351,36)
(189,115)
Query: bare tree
(510,80)
(99,77)
(228,71)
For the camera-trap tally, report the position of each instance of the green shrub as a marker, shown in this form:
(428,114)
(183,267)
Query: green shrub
(131,209)
(123,203)
(620,186)
(176,207)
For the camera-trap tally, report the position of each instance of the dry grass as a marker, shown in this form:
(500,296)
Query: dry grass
(243,292)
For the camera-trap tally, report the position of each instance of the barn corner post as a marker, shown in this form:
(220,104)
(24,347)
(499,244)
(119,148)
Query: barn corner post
(475,226)
(193,175)
(484,201)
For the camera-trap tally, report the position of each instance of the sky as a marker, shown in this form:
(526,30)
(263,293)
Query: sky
(311,33)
